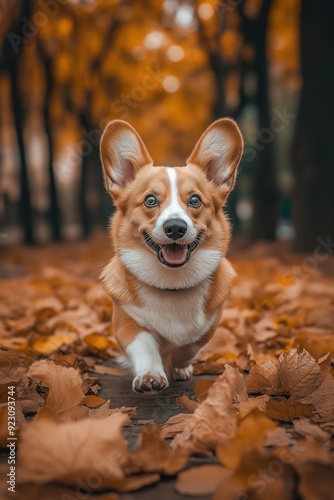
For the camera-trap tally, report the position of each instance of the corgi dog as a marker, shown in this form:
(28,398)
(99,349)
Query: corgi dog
(169,276)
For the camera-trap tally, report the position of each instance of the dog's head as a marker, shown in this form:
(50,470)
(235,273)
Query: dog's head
(170,219)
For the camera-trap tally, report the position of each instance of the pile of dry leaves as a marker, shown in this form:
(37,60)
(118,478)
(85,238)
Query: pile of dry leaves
(267,418)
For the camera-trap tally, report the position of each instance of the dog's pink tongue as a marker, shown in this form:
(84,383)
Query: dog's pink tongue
(174,254)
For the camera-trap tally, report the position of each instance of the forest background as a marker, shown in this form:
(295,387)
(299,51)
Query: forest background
(169,67)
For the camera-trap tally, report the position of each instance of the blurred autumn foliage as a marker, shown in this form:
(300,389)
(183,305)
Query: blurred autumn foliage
(168,67)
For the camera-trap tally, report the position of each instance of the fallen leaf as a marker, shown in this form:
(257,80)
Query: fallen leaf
(12,371)
(279,437)
(202,388)
(10,359)
(187,403)
(322,400)
(316,341)
(154,454)
(68,360)
(17,343)
(176,424)
(260,474)
(251,433)
(238,385)
(283,410)
(208,367)
(47,344)
(316,481)
(245,359)
(264,330)
(222,344)
(97,342)
(77,320)
(46,307)
(308,450)
(230,490)
(260,402)
(299,374)
(70,451)
(200,481)
(105,411)
(3,426)
(22,325)
(213,422)
(92,400)
(328,427)
(110,370)
(308,430)
(65,388)
(29,406)
(263,379)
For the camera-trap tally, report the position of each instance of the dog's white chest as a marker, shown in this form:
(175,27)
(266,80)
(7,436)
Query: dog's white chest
(178,316)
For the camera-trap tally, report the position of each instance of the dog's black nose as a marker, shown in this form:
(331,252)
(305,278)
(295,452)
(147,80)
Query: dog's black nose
(175,228)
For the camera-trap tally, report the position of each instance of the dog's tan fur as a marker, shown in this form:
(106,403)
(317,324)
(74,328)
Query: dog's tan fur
(130,176)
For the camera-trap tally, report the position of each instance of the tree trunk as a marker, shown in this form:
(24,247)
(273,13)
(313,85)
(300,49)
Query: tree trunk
(95,204)
(313,153)
(212,47)
(53,212)
(265,191)
(12,60)
(217,66)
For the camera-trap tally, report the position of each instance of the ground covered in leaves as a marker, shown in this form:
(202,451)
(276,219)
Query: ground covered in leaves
(256,422)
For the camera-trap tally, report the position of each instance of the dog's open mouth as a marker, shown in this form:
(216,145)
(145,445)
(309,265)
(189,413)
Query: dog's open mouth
(173,254)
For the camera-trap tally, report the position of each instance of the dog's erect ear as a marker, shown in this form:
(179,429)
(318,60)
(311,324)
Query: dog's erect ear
(123,153)
(218,153)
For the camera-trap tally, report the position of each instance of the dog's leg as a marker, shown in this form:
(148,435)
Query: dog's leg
(144,355)
(142,352)
(182,368)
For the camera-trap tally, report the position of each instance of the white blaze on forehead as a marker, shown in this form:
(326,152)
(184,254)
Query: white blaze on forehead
(173,210)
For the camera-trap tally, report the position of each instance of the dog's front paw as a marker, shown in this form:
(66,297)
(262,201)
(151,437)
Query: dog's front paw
(150,381)
(182,373)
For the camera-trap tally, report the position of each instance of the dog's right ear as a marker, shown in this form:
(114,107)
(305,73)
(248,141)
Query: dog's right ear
(123,153)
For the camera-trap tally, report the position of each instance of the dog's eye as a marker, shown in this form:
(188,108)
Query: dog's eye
(195,201)
(151,201)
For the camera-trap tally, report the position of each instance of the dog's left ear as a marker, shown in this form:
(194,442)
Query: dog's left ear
(218,153)
(123,153)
